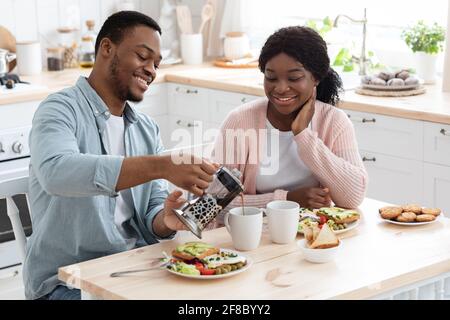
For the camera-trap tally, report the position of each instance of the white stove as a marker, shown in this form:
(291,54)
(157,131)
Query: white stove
(14,162)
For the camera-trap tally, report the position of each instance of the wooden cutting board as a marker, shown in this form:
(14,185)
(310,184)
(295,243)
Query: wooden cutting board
(223,63)
(8,42)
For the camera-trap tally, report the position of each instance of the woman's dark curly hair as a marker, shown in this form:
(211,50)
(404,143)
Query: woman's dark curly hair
(307,47)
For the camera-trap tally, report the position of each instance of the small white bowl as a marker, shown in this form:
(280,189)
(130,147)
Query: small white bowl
(318,255)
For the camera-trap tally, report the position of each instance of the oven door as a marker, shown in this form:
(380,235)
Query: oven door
(6,232)
(9,253)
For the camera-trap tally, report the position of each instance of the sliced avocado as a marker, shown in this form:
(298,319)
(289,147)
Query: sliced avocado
(194,248)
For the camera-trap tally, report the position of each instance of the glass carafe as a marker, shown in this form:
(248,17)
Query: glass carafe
(199,212)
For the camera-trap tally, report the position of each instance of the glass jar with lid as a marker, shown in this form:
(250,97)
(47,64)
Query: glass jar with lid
(67,39)
(86,56)
(55,59)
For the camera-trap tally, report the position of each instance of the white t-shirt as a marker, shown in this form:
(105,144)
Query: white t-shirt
(115,145)
(292,173)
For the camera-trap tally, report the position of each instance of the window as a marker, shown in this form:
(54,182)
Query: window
(386,20)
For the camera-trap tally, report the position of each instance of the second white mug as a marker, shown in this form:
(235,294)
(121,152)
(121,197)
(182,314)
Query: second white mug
(283,219)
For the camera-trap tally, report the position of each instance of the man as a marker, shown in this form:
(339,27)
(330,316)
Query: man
(95,172)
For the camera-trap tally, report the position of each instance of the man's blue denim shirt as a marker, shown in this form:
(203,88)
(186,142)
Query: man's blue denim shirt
(72,185)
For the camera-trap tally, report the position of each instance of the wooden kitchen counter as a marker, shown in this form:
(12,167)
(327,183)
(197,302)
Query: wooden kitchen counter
(432,106)
(375,258)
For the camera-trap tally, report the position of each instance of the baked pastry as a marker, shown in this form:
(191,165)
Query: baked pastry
(433,211)
(406,217)
(425,218)
(417,209)
(390,212)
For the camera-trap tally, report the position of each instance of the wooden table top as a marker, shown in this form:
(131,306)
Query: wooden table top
(375,258)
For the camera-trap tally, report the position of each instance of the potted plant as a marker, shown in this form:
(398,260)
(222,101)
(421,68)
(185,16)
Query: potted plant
(425,42)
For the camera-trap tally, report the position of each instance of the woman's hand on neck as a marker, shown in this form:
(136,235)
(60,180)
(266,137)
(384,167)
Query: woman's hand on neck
(304,117)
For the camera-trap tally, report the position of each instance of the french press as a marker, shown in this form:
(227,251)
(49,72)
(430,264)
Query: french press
(199,212)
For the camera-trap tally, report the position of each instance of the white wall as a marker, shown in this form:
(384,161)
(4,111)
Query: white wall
(28,20)
(31,20)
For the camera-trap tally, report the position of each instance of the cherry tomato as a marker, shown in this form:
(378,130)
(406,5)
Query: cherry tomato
(199,266)
(322,220)
(207,272)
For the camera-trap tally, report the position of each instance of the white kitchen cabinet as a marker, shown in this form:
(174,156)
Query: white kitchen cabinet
(188,101)
(393,179)
(437,187)
(388,135)
(437,143)
(155,101)
(11,284)
(184,132)
(221,103)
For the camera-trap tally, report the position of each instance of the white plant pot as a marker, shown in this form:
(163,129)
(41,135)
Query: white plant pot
(426,66)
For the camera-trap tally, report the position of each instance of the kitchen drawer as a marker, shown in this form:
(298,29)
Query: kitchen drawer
(388,135)
(155,100)
(11,284)
(188,101)
(437,143)
(184,131)
(392,179)
(437,187)
(222,102)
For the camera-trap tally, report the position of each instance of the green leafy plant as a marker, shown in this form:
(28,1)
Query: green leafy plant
(348,61)
(326,26)
(424,38)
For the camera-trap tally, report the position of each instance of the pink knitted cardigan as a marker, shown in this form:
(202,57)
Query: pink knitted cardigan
(329,150)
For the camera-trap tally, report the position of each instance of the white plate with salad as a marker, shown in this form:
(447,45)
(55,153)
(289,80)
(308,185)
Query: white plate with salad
(226,263)
(309,218)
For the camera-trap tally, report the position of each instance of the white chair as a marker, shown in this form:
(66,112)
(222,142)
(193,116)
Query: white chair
(8,189)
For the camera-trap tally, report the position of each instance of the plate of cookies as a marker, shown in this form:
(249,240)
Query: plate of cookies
(409,214)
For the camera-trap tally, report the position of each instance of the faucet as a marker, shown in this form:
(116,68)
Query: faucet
(362,60)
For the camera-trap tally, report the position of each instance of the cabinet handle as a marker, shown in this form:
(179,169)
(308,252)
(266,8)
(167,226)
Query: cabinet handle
(186,91)
(445,132)
(11,275)
(365,159)
(188,124)
(363,120)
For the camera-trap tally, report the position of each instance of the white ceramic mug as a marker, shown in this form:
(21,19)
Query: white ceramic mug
(192,48)
(245,230)
(283,219)
(29,58)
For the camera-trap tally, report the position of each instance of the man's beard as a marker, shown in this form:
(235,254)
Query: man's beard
(122,90)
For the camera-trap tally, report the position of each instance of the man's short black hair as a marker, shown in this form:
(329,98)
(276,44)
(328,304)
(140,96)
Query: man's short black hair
(117,24)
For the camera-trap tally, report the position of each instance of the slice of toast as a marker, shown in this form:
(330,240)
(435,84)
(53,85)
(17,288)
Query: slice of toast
(339,215)
(185,251)
(325,239)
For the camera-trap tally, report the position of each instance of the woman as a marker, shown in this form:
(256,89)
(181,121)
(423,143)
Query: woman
(318,160)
